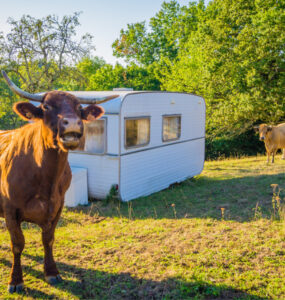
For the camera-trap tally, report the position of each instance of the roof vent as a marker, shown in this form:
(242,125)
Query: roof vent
(122,89)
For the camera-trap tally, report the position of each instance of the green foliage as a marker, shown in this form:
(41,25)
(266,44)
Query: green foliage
(78,78)
(166,33)
(132,76)
(246,143)
(8,119)
(235,60)
(88,66)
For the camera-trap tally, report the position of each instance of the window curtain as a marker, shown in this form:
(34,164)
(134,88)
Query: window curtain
(95,136)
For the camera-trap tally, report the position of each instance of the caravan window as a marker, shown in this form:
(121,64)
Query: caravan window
(94,139)
(171,128)
(137,132)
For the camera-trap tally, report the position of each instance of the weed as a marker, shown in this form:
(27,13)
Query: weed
(130,210)
(223,213)
(91,210)
(113,195)
(257,212)
(155,213)
(118,208)
(174,210)
(278,208)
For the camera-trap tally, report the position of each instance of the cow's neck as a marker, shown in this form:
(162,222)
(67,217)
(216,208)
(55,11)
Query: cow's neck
(55,164)
(269,138)
(49,158)
(53,156)
(57,160)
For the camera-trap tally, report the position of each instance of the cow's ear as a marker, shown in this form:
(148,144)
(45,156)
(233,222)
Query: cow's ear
(92,112)
(256,128)
(28,111)
(269,128)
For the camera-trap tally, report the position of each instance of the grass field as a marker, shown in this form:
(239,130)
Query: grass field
(219,235)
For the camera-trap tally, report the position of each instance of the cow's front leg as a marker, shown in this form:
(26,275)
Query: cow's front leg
(273,155)
(50,270)
(268,156)
(16,283)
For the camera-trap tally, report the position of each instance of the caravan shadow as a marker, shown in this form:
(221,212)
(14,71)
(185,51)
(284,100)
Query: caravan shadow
(201,197)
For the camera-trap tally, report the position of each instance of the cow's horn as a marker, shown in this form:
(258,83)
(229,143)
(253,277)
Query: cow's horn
(20,92)
(39,98)
(97,100)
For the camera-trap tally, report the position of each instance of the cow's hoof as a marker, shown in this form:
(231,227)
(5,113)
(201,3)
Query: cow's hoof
(18,288)
(53,279)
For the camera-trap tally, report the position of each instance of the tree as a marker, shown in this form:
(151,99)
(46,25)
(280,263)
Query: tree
(8,119)
(39,51)
(89,65)
(41,54)
(235,60)
(165,35)
(80,74)
(132,76)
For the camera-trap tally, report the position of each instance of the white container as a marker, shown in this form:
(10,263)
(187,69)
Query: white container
(77,193)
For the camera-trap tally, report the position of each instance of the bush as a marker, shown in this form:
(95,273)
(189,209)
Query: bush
(226,146)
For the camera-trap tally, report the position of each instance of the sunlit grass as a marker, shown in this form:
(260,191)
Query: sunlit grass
(176,244)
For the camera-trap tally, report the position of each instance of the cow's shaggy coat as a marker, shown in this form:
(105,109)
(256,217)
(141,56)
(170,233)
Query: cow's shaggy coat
(35,173)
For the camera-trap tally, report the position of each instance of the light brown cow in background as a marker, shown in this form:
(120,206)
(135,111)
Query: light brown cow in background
(273,138)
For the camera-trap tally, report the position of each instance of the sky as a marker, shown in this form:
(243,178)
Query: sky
(101,18)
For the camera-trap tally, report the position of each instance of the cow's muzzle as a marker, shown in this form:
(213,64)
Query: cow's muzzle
(71,130)
(70,140)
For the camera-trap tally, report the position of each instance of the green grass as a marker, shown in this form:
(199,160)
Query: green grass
(175,244)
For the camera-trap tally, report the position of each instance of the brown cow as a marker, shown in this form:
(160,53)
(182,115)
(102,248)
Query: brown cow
(273,138)
(34,169)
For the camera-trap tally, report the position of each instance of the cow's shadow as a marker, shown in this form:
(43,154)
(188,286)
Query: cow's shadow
(92,284)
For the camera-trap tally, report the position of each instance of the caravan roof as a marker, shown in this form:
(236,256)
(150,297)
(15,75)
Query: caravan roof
(112,106)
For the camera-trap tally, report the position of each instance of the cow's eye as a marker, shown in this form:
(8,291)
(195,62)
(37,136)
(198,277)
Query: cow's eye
(46,107)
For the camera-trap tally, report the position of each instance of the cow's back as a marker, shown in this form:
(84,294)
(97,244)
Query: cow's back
(279,135)
(281,127)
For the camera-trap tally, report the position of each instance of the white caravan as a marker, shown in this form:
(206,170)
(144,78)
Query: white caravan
(144,142)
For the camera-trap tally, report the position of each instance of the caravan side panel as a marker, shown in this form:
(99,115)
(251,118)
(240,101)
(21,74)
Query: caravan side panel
(155,105)
(158,164)
(146,172)
(112,146)
(102,172)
